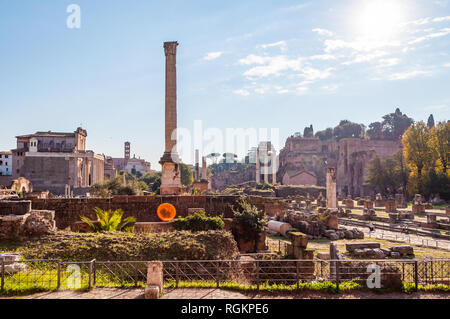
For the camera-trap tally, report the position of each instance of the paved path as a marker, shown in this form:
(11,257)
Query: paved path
(192,293)
(406,238)
(117,293)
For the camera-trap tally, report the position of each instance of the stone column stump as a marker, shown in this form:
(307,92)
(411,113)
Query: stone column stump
(154,280)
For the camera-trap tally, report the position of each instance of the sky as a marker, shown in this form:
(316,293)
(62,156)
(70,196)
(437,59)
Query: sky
(241,64)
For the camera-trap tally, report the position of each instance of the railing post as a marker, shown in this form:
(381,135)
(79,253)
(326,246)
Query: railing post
(94,274)
(58,284)
(298,274)
(135,275)
(91,269)
(338,266)
(3,274)
(217,274)
(177,276)
(416,275)
(257,275)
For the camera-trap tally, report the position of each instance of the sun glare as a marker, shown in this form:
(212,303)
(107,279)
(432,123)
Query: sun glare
(379,19)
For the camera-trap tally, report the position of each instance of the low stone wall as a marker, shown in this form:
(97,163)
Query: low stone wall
(286,191)
(69,211)
(14,207)
(158,227)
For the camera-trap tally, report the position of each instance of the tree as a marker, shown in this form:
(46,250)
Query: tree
(388,176)
(395,124)
(347,129)
(308,131)
(418,154)
(375,131)
(187,178)
(439,143)
(430,122)
(325,134)
(214,157)
(153,180)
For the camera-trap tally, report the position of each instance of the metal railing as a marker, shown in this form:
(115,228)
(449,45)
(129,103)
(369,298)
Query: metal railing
(38,275)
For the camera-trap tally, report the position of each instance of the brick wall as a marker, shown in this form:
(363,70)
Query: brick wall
(69,211)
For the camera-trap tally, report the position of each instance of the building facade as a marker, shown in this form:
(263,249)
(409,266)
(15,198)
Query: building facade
(5,163)
(129,164)
(55,161)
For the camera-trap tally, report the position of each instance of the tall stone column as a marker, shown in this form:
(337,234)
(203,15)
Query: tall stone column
(266,167)
(204,173)
(258,167)
(197,175)
(274,166)
(171,177)
(331,188)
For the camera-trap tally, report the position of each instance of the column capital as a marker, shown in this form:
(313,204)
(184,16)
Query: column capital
(170,48)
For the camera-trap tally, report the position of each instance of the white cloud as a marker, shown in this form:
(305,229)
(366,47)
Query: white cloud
(212,56)
(323,32)
(254,59)
(443,32)
(241,92)
(385,63)
(407,75)
(272,66)
(366,57)
(447,65)
(323,57)
(281,44)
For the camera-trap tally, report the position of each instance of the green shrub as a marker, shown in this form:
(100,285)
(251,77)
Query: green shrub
(249,218)
(198,221)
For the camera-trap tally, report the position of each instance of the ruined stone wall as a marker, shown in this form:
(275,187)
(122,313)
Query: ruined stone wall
(69,211)
(222,180)
(352,156)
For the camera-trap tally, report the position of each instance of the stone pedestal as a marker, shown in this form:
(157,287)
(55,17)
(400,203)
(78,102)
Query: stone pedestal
(333,220)
(418,208)
(390,206)
(349,203)
(170,179)
(368,204)
(154,280)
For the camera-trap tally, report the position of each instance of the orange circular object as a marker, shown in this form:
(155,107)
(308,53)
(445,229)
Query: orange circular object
(166,212)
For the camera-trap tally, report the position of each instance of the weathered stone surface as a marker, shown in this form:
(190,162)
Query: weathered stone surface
(39,223)
(323,256)
(361,245)
(155,274)
(299,239)
(403,250)
(158,227)
(152,292)
(15,207)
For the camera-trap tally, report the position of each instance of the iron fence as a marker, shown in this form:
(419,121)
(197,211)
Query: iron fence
(29,275)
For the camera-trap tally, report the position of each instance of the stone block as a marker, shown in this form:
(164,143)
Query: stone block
(323,256)
(403,250)
(361,245)
(152,292)
(299,239)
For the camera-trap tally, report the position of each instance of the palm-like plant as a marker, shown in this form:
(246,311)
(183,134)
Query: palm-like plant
(110,221)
